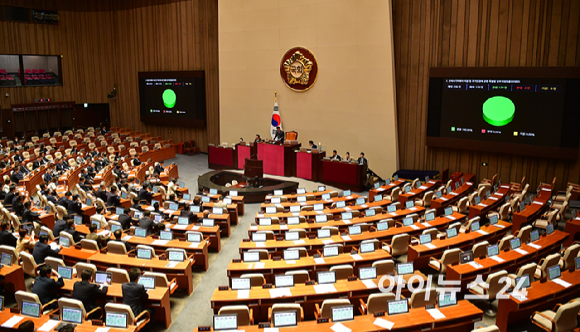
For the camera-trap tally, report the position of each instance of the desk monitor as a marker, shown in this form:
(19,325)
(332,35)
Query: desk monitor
(250,257)
(301,199)
(318,207)
(409,204)
(367,273)
(166,235)
(419,184)
(346,215)
(155,189)
(295,208)
(577,263)
(144,253)
(325,197)
(278,192)
(65,241)
(89,202)
(157,217)
(183,221)
(271,210)
(321,218)
(116,320)
(494,219)
(327,277)
(102,277)
(293,220)
(119,211)
(265,221)
(346,193)
(405,268)
(522,206)
(397,307)
(475,226)
(195,208)
(205,199)
(193,237)
(447,299)
(387,181)
(241,283)
(360,201)
(448,211)
(550,229)
(523,282)
(217,210)
(515,243)
(78,220)
(284,281)
(377,185)
(233,193)
(477,199)
(187,197)
(354,230)
(407,189)
(31,309)
(285,318)
(213,191)
(1,303)
(342,313)
(258,237)
(554,272)
(140,232)
(430,216)
(225,322)
(323,233)
(451,233)
(6,259)
(408,221)
(29,227)
(424,238)
(206,222)
(391,208)
(123,195)
(227,201)
(492,250)
(370,212)
(340,204)
(175,256)
(301,191)
(439,194)
(173,206)
(330,251)
(275,200)
(367,247)
(65,272)
(466,257)
(292,236)
(321,188)
(291,255)
(534,235)
(382,225)
(147,282)
(378,198)
(137,215)
(181,184)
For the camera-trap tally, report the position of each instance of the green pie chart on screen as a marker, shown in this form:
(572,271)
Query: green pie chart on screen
(498,111)
(169,98)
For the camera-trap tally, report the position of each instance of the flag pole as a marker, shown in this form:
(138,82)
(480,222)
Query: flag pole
(275,96)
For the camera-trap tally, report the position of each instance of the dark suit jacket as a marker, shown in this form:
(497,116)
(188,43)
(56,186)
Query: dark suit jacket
(191,217)
(136,162)
(102,194)
(28,216)
(36,164)
(144,194)
(113,200)
(63,201)
(41,251)
(134,295)
(52,199)
(16,177)
(147,224)
(7,239)
(8,198)
(158,169)
(125,221)
(47,177)
(279,136)
(88,293)
(362,161)
(75,207)
(59,226)
(46,288)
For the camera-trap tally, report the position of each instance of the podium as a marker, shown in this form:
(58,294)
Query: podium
(253,168)
(308,164)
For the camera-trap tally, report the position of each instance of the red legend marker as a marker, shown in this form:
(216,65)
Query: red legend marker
(483,131)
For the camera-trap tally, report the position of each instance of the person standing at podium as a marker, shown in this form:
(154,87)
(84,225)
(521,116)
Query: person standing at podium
(279,138)
(335,156)
(312,145)
(362,160)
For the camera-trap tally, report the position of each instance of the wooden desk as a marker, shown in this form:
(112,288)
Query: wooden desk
(238,200)
(30,182)
(158,299)
(232,210)
(272,268)
(572,228)
(219,157)
(245,150)
(385,189)
(459,318)
(541,296)
(344,175)
(512,260)
(308,165)
(293,197)
(420,254)
(171,172)
(182,271)
(278,159)
(212,232)
(286,205)
(158,155)
(533,210)
(440,204)
(13,278)
(492,203)
(418,192)
(199,251)
(86,326)
(260,299)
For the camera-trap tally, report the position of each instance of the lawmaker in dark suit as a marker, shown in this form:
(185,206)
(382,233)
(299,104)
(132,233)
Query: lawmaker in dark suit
(51,197)
(362,160)
(136,160)
(46,288)
(112,198)
(28,215)
(279,137)
(258,139)
(64,200)
(159,168)
(16,177)
(87,292)
(119,237)
(43,250)
(312,145)
(75,206)
(125,219)
(10,195)
(102,192)
(186,213)
(146,222)
(145,193)
(59,226)
(6,238)
(335,156)
(134,294)
(47,176)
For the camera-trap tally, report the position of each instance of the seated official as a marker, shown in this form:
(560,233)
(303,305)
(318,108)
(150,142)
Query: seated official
(102,192)
(125,219)
(159,168)
(134,294)
(258,139)
(75,206)
(112,198)
(10,195)
(101,240)
(6,237)
(146,222)
(136,160)
(24,244)
(46,288)
(362,160)
(145,193)
(186,213)
(335,156)
(59,226)
(99,216)
(28,216)
(279,137)
(118,236)
(312,145)
(70,228)
(87,292)
(42,250)
(64,200)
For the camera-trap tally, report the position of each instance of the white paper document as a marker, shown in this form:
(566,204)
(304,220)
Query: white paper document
(325,288)
(159,242)
(494,198)
(338,327)
(450,217)
(370,284)
(195,228)
(454,193)
(482,232)
(260,244)
(497,259)
(280,292)
(347,222)
(380,189)
(356,257)
(415,227)
(299,242)
(194,244)
(481,204)
(319,260)
(422,187)
(283,227)
(254,228)
(291,262)
(430,246)
(49,325)
(346,208)
(426,224)
(271,329)
(557,281)
(172,264)
(384,323)
(12,321)
(126,238)
(346,238)
(329,241)
(243,294)
(102,329)
(499,226)
(179,226)
(436,314)
(259,265)
(475,265)
(521,251)
(535,246)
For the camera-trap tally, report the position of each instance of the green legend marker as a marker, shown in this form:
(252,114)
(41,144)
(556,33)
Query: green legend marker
(498,111)
(169,98)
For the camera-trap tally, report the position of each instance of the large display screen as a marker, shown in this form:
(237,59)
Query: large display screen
(529,111)
(173,98)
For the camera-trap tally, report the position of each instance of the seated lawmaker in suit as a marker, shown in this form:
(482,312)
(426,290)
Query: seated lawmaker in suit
(43,250)
(101,240)
(112,198)
(312,145)
(362,160)
(28,216)
(6,237)
(46,288)
(146,222)
(279,137)
(159,168)
(335,156)
(258,139)
(125,219)
(134,294)
(118,236)
(75,206)
(87,292)
(347,157)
